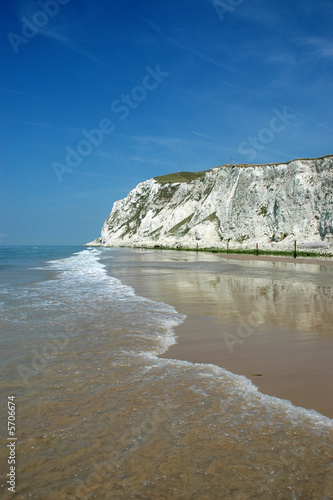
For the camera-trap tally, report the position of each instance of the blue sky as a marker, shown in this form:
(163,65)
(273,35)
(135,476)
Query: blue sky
(97,96)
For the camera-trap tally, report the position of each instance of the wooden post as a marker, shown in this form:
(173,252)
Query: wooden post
(197,247)
(227,246)
(295,249)
(257,249)
(230,160)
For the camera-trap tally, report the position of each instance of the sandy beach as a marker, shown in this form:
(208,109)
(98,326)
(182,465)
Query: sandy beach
(267,318)
(81,356)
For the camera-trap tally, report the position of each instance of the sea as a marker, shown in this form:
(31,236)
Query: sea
(89,409)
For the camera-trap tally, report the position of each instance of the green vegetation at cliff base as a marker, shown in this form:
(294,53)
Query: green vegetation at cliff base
(282,253)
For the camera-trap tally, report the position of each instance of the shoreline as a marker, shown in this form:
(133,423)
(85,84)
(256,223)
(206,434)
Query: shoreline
(233,255)
(301,255)
(304,383)
(240,320)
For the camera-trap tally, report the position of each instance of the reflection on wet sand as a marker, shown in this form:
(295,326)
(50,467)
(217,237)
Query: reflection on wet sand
(266,318)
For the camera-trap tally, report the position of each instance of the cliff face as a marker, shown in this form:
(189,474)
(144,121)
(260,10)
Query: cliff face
(271,205)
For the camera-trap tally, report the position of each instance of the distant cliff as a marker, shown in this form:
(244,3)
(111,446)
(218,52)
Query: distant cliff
(271,205)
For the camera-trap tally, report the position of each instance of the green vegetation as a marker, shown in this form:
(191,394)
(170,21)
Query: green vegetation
(164,194)
(180,177)
(132,225)
(156,233)
(282,253)
(190,176)
(212,218)
(246,165)
(240,239)
(275,237)
(263,211)
(176,230)
(310,159)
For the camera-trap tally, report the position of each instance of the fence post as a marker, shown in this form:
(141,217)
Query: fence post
(295,249)
(257,249)
(227,247)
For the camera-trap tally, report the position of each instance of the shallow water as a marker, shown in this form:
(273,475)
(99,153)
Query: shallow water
(99,415)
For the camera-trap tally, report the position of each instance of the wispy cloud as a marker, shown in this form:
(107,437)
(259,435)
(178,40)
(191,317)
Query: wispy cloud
(319,46)
(282,58)
(104,176)
(18,92)
(57,34)
(258,12)
(154,26)
(45,125)
(197,53)
(181,45)
(32,124)
(322,125)
(159,140)
(204,136)
(179,146)
(153,162)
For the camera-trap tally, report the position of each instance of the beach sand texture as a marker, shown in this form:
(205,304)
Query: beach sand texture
(106,408)
(270,319)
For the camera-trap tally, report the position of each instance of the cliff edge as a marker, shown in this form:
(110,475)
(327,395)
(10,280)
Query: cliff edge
(271,205)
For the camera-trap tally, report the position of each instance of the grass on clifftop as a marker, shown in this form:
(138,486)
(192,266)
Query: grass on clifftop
(191,176)
(180,177)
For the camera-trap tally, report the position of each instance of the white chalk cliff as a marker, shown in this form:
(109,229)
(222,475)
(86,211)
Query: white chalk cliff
(271,205)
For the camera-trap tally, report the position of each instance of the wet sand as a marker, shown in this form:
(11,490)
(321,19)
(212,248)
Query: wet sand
(267,318)
(327,261)
(278,361)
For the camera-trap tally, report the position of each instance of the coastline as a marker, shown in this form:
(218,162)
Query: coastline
(283,349)
(243,252)
(268,257)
